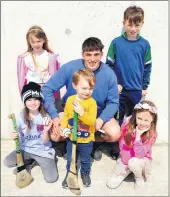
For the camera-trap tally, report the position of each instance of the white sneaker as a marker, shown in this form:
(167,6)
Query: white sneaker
(116,179)
(139,185)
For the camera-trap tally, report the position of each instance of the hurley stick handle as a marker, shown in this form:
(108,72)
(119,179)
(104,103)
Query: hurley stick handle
(17,143)
(75,126)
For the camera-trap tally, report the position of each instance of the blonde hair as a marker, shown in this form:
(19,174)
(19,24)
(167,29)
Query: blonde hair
(132,124)
(39,33)
(87,75)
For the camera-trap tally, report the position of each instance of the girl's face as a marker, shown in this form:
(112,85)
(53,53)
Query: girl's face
(33,104)
(36,43)
(83,89)
(144,120)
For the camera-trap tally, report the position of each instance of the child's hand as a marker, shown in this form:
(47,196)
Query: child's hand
(14,135)
(144,92)
(139,132)
(66,132)
(47,124)
(78,108)
(120,88)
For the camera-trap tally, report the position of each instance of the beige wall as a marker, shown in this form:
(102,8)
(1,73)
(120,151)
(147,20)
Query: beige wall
(67,25)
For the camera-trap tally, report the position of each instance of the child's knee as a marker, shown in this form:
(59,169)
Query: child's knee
(51,179)
(133,164)
(8,163)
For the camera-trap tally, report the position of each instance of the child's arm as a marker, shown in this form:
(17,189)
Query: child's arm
(53,64)
(147,69)
(89,116)
(141,149)
(64,124)
(21,72)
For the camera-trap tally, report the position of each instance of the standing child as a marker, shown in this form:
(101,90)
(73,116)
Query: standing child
(38,64)
(34,134)
(129,55)
(86,107)
(138,136)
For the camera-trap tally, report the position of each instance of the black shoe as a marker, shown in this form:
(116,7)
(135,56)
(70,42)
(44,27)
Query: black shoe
(113,155)
(86,179)
(97,154)
(64,183)
(27,167)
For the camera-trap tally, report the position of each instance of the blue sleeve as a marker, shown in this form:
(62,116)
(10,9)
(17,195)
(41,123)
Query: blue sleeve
(55,83)
(112,101)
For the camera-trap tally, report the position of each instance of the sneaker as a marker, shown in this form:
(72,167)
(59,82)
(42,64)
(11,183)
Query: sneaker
(113,155)
(139,185)
(97,155)
(86,179)
(116,179)
(64,183)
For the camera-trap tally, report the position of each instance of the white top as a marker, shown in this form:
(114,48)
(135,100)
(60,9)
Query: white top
(38,74)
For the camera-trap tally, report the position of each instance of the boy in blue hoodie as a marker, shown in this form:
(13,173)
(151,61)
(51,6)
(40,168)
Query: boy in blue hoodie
(129,55)
(105,91)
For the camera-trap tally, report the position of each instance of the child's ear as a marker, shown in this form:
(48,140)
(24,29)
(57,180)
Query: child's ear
(74,86)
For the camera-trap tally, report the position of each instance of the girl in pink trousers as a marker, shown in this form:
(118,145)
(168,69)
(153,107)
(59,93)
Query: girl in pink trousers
(138,136)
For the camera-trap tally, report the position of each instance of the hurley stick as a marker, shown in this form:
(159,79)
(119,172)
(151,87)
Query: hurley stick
(72,179)
(23,178)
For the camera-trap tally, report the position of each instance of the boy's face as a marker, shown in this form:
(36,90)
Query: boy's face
(83,88)
(92,59)
(132,29)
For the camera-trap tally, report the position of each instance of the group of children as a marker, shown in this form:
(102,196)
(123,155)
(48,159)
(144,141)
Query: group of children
(129,55)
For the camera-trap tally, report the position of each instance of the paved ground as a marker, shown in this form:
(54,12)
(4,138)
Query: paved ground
(157,185)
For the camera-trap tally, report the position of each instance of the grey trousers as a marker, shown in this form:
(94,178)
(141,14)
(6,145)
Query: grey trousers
(48,166)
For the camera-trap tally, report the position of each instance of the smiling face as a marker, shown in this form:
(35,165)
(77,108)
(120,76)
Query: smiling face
(144,120)
(33,104)
(36,43)
(83,88)
(132,29)
(92,59)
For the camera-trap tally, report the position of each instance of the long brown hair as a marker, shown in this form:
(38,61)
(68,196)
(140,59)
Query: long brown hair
(132,124)
(27,117)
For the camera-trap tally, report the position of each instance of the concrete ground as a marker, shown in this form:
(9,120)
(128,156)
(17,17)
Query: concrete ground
(157,185)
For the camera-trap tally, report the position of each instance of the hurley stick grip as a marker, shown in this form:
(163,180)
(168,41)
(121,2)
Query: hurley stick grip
(17,143)
(75,126)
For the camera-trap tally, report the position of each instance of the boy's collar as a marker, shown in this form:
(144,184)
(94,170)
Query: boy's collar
(124,34)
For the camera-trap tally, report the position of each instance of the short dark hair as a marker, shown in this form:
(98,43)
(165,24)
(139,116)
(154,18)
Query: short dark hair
(92,44)
(134,14)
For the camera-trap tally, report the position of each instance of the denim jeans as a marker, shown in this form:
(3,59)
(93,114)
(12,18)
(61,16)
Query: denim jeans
(84,152)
